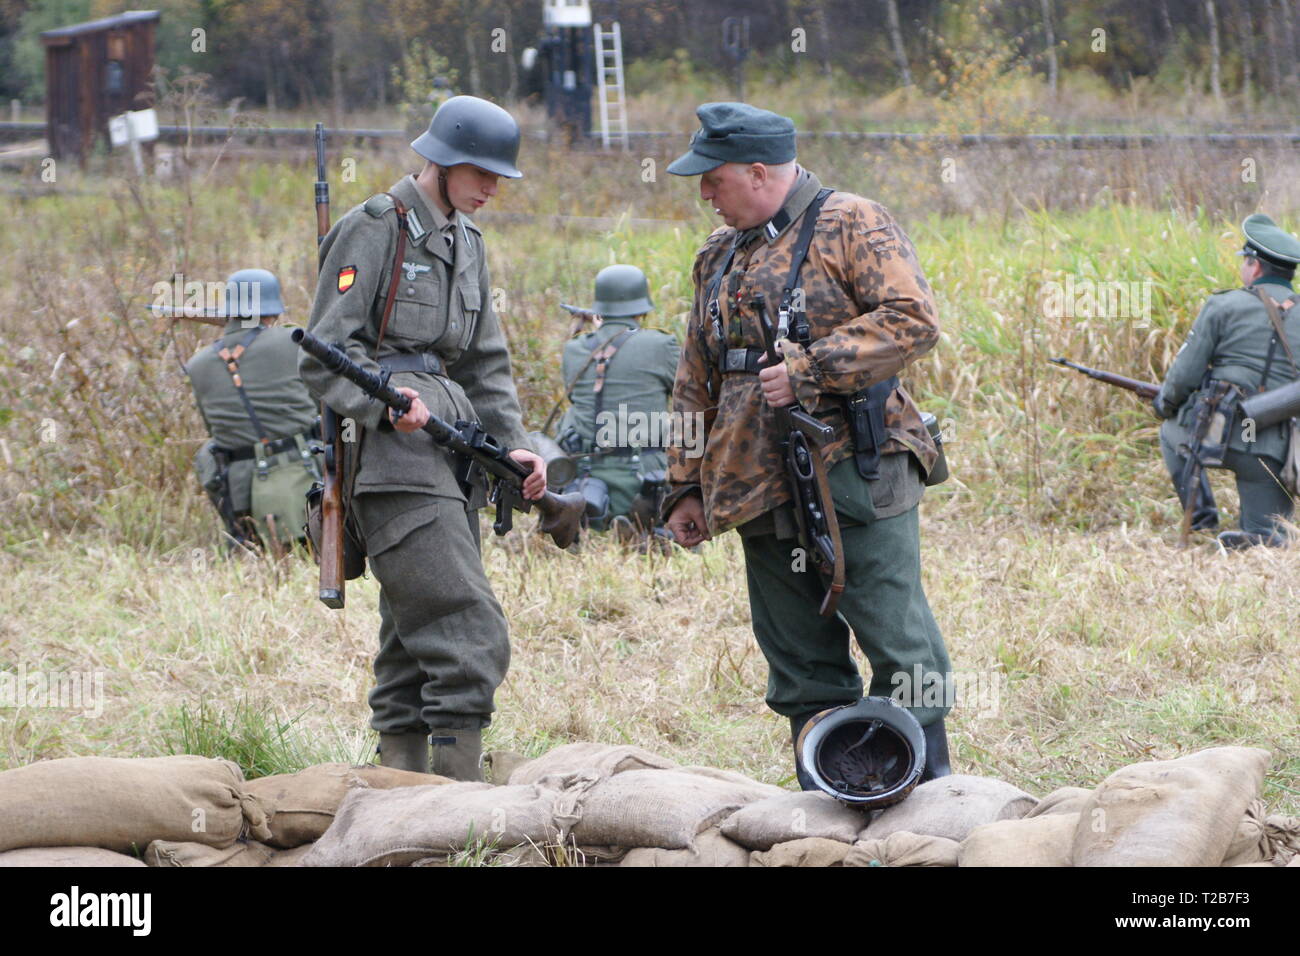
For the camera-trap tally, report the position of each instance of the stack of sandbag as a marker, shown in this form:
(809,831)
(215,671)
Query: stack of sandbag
(299,808)
(814,829)
(1199,810)
(81,804)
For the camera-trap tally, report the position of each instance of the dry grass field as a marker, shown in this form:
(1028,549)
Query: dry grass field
(1087,639)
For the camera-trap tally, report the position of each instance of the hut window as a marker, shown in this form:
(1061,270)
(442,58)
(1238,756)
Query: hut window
(113,78)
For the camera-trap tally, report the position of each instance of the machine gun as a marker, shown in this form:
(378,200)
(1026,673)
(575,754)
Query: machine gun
(805,464)
(561,515)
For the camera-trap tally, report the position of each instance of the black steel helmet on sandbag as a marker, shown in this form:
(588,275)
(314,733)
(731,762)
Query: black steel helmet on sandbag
(466,129)
(870,754)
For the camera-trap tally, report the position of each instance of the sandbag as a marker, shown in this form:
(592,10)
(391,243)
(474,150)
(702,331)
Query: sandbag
(951,807)
(711,848)
(1064,800)
(289,857)
(903,849)
(79,856)
(398,827)
(1182,812)
(600,760)
(657,808)
(498,765)
(1032,841)
(793,816)
(810,851)
(120,802)
(239,853)
(1250,843)
(761,790)
(302,805)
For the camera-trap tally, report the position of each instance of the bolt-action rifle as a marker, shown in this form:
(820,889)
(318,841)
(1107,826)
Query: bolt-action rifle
(1147,390)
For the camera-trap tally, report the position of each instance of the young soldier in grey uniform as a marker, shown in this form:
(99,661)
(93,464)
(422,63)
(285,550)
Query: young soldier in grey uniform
(1233,340)
(443,641)
(619,379)
(259,464)
(864,311)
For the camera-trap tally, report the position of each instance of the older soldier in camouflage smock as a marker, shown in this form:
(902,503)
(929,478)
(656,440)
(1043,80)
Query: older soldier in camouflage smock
(869,312)
(443,640)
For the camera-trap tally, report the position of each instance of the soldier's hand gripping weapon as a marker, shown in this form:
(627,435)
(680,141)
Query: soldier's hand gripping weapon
(332,565)
(805,465)
(1147,390)
(561,515)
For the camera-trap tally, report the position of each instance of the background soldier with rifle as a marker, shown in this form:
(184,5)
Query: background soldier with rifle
(1245,341)
(404,290)
(850,317)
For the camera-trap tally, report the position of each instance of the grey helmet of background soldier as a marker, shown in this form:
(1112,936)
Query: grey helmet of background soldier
(252,293)
(621,292)
(466,129)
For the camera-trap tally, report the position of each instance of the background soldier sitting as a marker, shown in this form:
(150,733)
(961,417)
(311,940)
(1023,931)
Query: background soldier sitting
(258,466)
(619,379)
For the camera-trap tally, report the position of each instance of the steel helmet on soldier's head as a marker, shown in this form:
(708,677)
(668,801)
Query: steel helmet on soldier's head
(621,291)
(252,293)
(870,754)
(466,129)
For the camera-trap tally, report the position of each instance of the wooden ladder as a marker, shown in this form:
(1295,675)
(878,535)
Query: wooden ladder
(609,86)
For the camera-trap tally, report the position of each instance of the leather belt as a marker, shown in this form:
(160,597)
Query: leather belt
(413,362)
(273,448)
(742,360)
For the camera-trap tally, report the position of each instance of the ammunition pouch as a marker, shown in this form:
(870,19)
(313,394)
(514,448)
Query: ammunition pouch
(865,412)
(1215,415)
(939,473)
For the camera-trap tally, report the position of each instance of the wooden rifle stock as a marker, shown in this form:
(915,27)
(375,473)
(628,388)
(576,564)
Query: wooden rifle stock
(333,584)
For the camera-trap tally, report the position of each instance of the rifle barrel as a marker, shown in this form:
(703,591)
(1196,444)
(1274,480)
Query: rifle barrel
(1143,389)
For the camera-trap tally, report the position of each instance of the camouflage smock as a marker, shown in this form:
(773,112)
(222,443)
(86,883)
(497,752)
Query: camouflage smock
(870,313)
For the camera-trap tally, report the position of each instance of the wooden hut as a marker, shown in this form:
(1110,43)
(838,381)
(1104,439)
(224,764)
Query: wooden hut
(93,71)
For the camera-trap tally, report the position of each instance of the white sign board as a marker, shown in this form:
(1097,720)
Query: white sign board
(139,125)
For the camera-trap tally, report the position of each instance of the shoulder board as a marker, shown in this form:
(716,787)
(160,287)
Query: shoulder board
(378,204)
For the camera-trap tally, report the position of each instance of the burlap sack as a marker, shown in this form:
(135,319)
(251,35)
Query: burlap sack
(117,803)
(1182,812)
(1251,843)
(1283,837)
(1032,841)
(711,848)
(903,849)
(498,765)
(302,805)
(78,856)
(762,791)
(289,857)
(656,808)
(810,851)
(398,827)
(951,807)
(793,816)
(1064,800)
(240,853)
(599,760)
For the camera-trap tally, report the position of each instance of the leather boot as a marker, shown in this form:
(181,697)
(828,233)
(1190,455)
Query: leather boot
(405,751)
(936,752)
(796,725)
(457,752)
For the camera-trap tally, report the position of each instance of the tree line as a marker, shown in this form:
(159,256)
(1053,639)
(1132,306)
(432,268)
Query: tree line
(350,54)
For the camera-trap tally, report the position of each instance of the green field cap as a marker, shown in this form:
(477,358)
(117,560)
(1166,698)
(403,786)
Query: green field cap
(1265,240)
(736,133)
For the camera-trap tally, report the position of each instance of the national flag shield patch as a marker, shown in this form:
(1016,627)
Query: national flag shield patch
(347,276)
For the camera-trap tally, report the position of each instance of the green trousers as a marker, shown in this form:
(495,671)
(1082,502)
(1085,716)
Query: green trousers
(443,642)
(883,605)
(1262,496)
